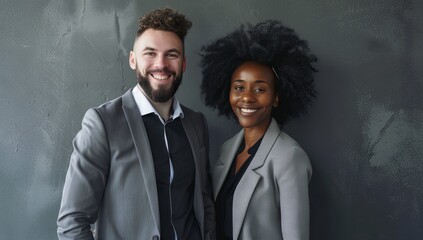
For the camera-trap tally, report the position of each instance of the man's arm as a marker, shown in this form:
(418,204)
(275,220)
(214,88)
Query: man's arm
(85,180)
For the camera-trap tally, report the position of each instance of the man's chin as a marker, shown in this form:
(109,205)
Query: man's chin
(161,93)
(159,90)
(161,86)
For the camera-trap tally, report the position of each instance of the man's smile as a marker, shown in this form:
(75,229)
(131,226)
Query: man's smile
(160,76)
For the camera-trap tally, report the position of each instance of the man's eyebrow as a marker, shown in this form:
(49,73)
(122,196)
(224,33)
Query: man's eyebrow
(149,49)
(173,50)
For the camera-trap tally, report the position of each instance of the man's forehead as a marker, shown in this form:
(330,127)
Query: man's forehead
(158,40)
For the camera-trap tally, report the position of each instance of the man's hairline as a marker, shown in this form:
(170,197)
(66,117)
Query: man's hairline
(138,36)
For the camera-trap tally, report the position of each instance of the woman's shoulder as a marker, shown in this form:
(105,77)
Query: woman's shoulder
(284,140)
(288,151)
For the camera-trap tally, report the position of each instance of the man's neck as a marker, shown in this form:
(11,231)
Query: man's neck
(163,108)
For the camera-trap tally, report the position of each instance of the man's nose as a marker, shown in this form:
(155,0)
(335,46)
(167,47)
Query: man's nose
(160,62)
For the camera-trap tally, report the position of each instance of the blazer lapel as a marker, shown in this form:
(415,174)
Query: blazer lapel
(192,136)
(142,146)
(190,131)
(223,164)
(248,183)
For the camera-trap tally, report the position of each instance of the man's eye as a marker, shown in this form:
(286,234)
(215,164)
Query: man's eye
(173,56)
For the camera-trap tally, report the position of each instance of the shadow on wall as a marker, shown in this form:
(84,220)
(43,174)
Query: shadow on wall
(367,150)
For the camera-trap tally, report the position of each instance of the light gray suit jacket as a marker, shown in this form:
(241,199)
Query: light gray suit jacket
(111,178)
(271,200)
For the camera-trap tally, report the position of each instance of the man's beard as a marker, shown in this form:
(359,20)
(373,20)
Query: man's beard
(162,94)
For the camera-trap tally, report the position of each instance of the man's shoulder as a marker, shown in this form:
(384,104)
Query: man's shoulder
(111,105)
(115,105)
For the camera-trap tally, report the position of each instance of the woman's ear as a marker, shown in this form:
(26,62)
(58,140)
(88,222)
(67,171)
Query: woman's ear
(276,101)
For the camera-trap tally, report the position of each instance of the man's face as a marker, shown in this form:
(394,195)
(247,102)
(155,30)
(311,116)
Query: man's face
(159,62)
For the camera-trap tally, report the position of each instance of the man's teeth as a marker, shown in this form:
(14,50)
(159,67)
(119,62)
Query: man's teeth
(160,77)
(248,110)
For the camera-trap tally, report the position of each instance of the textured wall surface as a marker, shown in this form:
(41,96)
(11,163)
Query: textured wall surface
(363,134)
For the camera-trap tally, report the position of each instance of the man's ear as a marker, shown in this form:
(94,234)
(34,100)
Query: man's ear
(132,60)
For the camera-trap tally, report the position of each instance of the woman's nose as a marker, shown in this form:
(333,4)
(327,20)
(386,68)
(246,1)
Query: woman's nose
(248,96)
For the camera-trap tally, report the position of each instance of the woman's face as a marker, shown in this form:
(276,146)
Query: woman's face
(252,95)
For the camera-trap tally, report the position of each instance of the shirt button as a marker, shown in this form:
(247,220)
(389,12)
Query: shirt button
(155,237)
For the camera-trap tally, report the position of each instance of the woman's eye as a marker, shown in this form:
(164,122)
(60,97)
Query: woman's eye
(238,88)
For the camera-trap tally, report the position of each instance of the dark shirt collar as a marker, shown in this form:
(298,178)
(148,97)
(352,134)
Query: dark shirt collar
(252,150)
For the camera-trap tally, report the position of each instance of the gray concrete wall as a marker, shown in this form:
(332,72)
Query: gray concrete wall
(364,133)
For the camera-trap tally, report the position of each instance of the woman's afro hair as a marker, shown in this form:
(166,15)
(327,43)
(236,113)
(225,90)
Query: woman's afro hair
(269,43)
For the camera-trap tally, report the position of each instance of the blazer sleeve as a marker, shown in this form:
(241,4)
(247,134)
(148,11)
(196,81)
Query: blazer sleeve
(293,194)
(209,211)
(85,179)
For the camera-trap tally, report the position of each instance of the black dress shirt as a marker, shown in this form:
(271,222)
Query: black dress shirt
(175,175)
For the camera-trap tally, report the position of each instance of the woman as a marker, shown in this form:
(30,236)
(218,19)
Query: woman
(263,76)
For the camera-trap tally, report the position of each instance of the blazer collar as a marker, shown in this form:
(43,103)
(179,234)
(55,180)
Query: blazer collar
(193,137)
(142,146)
(252,175)
(145,157)
(229,149)
(269,139)
(223,164)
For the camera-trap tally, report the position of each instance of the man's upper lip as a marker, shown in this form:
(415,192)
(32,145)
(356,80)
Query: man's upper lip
(161,71)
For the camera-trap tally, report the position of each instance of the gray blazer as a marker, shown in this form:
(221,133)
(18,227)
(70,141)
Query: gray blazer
(111,178)
(271,200)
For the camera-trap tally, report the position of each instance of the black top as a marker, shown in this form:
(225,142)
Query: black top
(224,200)
(175,195)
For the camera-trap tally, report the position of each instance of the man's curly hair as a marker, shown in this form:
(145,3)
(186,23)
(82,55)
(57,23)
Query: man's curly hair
(165,19)
(269,43)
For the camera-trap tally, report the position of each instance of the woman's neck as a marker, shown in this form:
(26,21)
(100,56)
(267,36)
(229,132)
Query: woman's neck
(252,135)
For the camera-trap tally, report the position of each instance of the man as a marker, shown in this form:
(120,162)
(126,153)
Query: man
(139,168)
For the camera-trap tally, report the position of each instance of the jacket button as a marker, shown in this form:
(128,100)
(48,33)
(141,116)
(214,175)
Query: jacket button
(155,237)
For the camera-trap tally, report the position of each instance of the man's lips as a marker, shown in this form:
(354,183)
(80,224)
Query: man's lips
(160,76)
